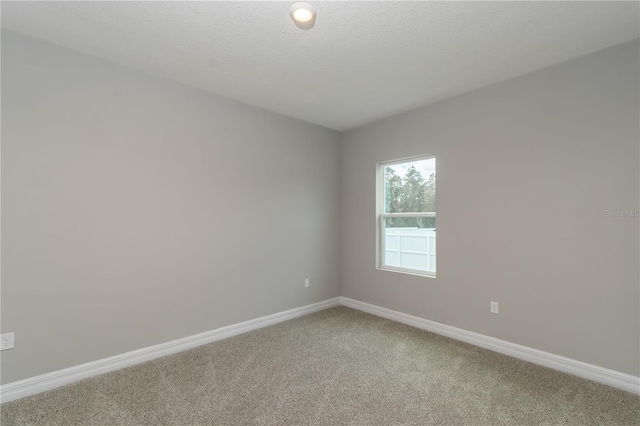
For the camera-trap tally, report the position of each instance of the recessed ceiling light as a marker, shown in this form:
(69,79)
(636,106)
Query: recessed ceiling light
(303,15)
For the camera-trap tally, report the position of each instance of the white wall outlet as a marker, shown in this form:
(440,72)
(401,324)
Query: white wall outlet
(494,308)
(306,282)
(6,341)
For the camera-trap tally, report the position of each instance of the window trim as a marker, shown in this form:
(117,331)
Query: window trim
(381,216)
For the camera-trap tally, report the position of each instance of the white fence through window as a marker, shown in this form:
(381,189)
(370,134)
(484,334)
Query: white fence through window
(412,248)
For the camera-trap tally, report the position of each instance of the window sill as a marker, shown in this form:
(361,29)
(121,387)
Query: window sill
(407,272)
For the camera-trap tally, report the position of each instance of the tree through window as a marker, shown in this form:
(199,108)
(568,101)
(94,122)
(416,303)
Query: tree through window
(408,215)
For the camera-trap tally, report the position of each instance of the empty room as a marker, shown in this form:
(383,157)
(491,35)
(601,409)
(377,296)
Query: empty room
(226,213)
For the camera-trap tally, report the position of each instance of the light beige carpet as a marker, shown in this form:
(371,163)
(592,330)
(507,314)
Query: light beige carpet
(335,367)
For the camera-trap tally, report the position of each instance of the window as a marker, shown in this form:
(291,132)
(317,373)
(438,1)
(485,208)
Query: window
(407,215)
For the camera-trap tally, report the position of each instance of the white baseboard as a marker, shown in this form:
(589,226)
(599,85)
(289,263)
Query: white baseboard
(592,372)
(34,385)
(37,384)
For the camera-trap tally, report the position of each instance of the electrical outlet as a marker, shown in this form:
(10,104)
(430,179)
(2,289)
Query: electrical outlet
(306,282)
(6,341)
(494,308)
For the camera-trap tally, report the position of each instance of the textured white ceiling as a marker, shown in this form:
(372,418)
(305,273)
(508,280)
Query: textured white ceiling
(362,61)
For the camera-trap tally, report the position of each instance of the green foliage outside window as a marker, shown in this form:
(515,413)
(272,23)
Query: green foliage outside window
(409,194)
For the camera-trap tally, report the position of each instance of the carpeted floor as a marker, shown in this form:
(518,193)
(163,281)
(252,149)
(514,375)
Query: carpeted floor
(335,367)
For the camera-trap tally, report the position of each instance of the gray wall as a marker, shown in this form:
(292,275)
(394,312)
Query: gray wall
(136,211)
(526,169)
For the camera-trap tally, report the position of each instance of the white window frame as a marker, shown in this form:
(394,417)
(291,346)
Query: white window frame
(381,216)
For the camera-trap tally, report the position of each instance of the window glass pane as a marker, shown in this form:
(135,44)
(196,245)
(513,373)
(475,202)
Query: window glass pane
(413,261)
(414,241)
(410,187)
(409,246)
